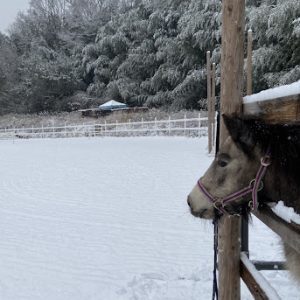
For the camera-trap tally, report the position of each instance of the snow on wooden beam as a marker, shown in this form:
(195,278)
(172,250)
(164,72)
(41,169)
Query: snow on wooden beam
(289,232)
(284,110)
(280,105)
(256,283)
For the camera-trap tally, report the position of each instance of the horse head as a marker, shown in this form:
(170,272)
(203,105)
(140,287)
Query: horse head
(233,179)
(234,169)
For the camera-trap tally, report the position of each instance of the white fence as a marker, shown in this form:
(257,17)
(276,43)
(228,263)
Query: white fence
(183,127)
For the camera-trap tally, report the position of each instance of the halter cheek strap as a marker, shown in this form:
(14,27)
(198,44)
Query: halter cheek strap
(255,185)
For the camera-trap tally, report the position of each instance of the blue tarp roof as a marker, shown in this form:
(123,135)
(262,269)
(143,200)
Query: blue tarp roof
(112,104)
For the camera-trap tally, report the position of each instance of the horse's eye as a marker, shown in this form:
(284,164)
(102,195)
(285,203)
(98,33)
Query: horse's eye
(222,163)
(223,160)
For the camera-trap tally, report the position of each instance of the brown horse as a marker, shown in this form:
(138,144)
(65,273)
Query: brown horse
(242,157)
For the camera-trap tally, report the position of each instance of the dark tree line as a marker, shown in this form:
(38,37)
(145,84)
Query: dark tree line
(142,52)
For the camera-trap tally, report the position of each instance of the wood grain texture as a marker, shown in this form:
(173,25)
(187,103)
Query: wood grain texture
(256,291)
(260,289)
(209,106)
(232,62)
(283,110)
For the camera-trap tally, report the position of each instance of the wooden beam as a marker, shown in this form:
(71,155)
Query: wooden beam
(232,58)
(283,110)
(249,62)
(232,62)
(244,224)
(256,283)
(229,257)
(213,101)
(209,106)
(289,233)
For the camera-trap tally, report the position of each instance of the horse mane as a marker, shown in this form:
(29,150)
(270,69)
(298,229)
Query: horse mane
(283,141)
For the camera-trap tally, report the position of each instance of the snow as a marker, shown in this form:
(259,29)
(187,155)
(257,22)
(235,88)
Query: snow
(286,213)
(106,218)
(277,92)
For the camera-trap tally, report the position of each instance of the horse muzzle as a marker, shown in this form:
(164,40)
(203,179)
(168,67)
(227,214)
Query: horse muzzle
(199,206)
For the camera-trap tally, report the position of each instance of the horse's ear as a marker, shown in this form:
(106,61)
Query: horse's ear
(240,131)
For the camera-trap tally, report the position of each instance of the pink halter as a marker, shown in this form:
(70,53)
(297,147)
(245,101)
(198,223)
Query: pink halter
(255,185)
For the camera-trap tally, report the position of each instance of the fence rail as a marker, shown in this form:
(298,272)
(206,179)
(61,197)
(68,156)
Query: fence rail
(183,127)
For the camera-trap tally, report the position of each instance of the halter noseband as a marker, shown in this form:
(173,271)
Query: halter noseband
(255,185)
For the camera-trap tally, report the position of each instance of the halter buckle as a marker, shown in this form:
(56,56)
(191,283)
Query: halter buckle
(265,161)
(218,204)
(252,183)
(250,204)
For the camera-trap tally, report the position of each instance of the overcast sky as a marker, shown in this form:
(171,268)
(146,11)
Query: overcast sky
(9,10)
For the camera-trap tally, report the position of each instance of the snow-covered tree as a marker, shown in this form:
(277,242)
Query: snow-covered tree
(142,52)
(276,42)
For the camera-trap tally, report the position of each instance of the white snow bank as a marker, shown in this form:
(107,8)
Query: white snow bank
(277,92)
(286,213)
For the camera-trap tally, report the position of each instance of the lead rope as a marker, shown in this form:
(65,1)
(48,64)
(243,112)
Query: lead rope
(215,293)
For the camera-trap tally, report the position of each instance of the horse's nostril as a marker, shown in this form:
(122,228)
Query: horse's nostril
(189,201)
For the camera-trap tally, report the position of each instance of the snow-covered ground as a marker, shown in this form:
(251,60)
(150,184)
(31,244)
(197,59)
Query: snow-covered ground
(106,218)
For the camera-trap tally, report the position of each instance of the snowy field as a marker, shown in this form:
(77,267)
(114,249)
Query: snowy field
(107,219)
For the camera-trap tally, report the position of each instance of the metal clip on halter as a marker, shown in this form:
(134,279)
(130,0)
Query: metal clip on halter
(265,161)
(218,204)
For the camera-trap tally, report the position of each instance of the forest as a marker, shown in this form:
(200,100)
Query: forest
(67,54)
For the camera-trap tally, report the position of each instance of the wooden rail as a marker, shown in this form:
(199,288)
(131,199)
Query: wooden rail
(282,110)
(255,282)
(289,233)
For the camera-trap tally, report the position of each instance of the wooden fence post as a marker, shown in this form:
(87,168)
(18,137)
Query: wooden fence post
(184,125)
(208,67)
(249,62)
(213,101)
(245,226)
(233,20)
(199,125)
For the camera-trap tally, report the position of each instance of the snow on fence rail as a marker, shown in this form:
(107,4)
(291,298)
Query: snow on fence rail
(184,127)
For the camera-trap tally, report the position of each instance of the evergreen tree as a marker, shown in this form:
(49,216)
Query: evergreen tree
(142,52)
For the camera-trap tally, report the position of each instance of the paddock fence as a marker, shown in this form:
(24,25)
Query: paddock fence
(280,111)
(191,127)
(234,261)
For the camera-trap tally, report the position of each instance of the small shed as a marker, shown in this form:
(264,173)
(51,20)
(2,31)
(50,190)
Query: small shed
(112,105)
